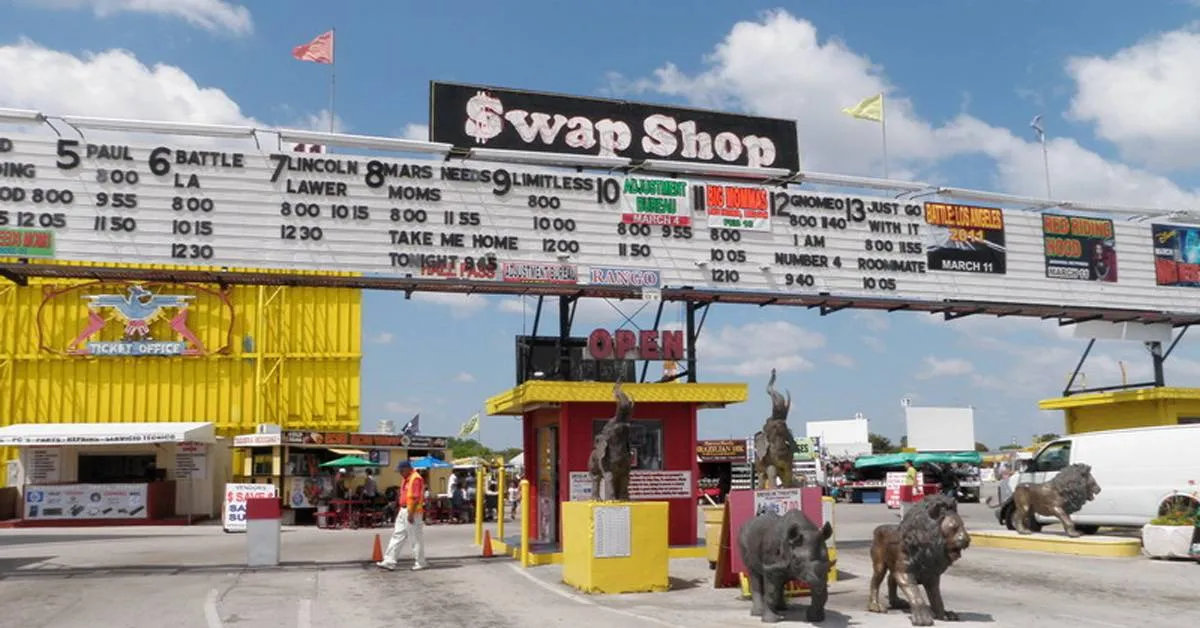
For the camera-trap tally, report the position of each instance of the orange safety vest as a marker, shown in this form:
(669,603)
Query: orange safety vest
(413,493)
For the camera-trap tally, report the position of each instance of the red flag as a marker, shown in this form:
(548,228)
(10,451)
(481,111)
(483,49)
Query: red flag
(319,50)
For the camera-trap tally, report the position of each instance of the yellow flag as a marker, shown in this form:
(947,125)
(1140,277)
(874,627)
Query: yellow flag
(869,109)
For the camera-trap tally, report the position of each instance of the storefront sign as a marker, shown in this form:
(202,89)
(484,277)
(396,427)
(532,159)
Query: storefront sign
(91,439)
(721,450)
(532,272)
(654,202)
(778,501)
(891,491)
(805,449)
(136,309)
(1079,248)
(625,344)
(258,440)
(409,441)
(600,276)
(643,485)
(191,461)
(1176,255)
(85,501)
(305,492)
(737,207)
(233,512)
(478,116)
(44,465)
(965,239)
(26,243)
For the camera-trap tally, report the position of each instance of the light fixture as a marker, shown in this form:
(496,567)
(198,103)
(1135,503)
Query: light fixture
(564,257)
(21,116)
(702,262)
(1116,209)
(715,170)
(362,141)
(167,128)
(766,268)
(996,197)
(824,178)
(548,159)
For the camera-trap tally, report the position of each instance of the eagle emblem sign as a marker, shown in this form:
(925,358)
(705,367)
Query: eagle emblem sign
(136,311)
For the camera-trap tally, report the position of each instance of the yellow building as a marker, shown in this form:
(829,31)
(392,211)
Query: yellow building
(1141,407)
(236,356)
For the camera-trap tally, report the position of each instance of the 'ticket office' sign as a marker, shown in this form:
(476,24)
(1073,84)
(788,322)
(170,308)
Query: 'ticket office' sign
(489,117)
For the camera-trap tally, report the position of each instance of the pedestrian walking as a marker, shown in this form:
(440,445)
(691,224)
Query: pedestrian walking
(410,520)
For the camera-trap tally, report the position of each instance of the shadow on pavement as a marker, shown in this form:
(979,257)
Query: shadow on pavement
(10,569)
(683,584)
(31,539)
(796,613)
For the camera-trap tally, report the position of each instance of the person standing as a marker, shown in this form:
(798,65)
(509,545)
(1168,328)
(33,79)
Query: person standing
(410,520)
(910,481)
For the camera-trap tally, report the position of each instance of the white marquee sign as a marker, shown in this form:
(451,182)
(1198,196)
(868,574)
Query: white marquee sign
(457,220)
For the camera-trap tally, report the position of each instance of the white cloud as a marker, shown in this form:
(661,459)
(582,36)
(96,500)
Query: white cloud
(112,83)
(416,132)
(948,367)
(383,338)
(872,320)
(1142,98)
(874,342)
(779,66)
(461,305)
(402,407)
(464,377)
(213,15)
(754,349)
(842,360)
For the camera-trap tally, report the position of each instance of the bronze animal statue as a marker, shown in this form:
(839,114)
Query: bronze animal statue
(1064,495)
(774,446)
(611,455)
(914,554)
(777,549)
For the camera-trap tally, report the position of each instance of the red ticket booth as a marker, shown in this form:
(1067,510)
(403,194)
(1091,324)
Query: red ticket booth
(560,421)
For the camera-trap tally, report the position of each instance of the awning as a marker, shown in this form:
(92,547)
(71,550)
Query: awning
(350,452)
(33,434)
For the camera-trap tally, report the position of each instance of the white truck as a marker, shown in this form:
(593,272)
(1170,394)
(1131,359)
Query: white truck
(1141,472)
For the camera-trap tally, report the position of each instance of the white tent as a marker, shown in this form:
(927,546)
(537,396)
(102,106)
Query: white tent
(517,460)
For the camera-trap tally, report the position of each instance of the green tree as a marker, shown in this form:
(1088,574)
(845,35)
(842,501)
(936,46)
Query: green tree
(980,447)
(1045,438)
(1009,447)
(466,448)
(904,442)
(881,444)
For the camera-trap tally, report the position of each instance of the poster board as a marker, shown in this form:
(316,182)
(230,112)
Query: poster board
(741,507)
(233,511)
(85,501)
(891,491)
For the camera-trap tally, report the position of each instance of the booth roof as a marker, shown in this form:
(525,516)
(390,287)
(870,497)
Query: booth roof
(33,434)
(534,393)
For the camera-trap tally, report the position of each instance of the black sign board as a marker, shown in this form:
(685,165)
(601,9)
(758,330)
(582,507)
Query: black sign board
(1079,248)
(476,116)
(965,238)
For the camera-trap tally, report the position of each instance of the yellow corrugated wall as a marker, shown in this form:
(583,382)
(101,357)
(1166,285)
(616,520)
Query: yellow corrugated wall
(293,359)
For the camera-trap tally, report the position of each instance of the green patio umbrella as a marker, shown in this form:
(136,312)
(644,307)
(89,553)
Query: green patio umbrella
(350,462)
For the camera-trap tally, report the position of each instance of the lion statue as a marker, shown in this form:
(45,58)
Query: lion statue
(914,554)
(777,549)
(1064,495)
(611,457)
(774,446)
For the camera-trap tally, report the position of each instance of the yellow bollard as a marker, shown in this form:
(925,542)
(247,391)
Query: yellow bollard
(500,504)
(524,523)
(479,491)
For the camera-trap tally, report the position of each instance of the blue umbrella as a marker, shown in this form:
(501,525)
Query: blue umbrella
(427,462)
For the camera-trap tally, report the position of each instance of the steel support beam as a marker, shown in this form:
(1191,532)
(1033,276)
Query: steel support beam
(537,316)
(565,314)
(657,319)
(693,332)
(1156,359)
(1178,337)
(1075,373)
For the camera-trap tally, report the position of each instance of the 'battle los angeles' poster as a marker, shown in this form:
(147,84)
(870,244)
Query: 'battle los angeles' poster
(1079,248)
(1176,255)
(965,238)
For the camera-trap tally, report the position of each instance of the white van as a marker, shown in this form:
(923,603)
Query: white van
(1140,471)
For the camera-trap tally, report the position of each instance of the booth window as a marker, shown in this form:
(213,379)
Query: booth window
(108,469)
(261,464)
(645,438)
(1189,420)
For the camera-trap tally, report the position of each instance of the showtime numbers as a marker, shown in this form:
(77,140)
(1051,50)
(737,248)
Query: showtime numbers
(114,223)
(409,215)
(544,223)
(191,251)
(192,204)
(117,200)
(32,220)
(293,232)
(117,177)
(626,249)
(300,210)
(634,229)
(550,245)
(544,202)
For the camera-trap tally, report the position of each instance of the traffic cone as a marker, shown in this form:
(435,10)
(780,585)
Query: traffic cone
(377,553)
(487,544)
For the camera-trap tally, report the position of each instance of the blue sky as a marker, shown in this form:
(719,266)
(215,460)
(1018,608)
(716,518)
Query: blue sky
(962,79)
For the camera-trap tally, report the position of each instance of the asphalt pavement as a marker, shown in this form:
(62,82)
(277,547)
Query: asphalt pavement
(195,577)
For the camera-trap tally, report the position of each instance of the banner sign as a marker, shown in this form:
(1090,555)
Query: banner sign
(462,222)
(965,238)
(1176,255)
(410,441)
(494,117)
(233,511)
(721,450)
(85,501)
(1079,248)
(644,485)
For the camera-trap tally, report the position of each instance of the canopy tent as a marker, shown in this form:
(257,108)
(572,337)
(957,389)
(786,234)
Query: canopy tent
(469,463)
(349,462)
(34,434)
(517,460)
(429,462)
(918,459)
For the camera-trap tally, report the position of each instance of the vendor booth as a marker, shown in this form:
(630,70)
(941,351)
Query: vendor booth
(1122,409)
(291,460)
(560,421)
(723,466)
(76,474)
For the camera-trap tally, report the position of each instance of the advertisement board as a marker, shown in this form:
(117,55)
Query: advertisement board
(448,222)
(233,509)
(643,485)
(730,450)
(469,116)
(1080,248)
(85,501)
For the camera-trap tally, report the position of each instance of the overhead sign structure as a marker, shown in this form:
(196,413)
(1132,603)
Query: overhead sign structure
(505,228)
(494,117)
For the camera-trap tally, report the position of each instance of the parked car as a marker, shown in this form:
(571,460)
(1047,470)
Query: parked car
(1142,472)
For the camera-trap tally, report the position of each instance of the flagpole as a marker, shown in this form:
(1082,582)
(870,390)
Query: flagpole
(332,75)
(883,129)
(1046,166)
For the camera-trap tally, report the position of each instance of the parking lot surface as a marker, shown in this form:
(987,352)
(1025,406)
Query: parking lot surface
(195,577)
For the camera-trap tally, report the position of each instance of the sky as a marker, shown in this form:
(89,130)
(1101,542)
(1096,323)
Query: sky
(1115,83)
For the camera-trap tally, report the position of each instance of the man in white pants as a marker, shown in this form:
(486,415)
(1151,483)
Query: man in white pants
(409,521)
